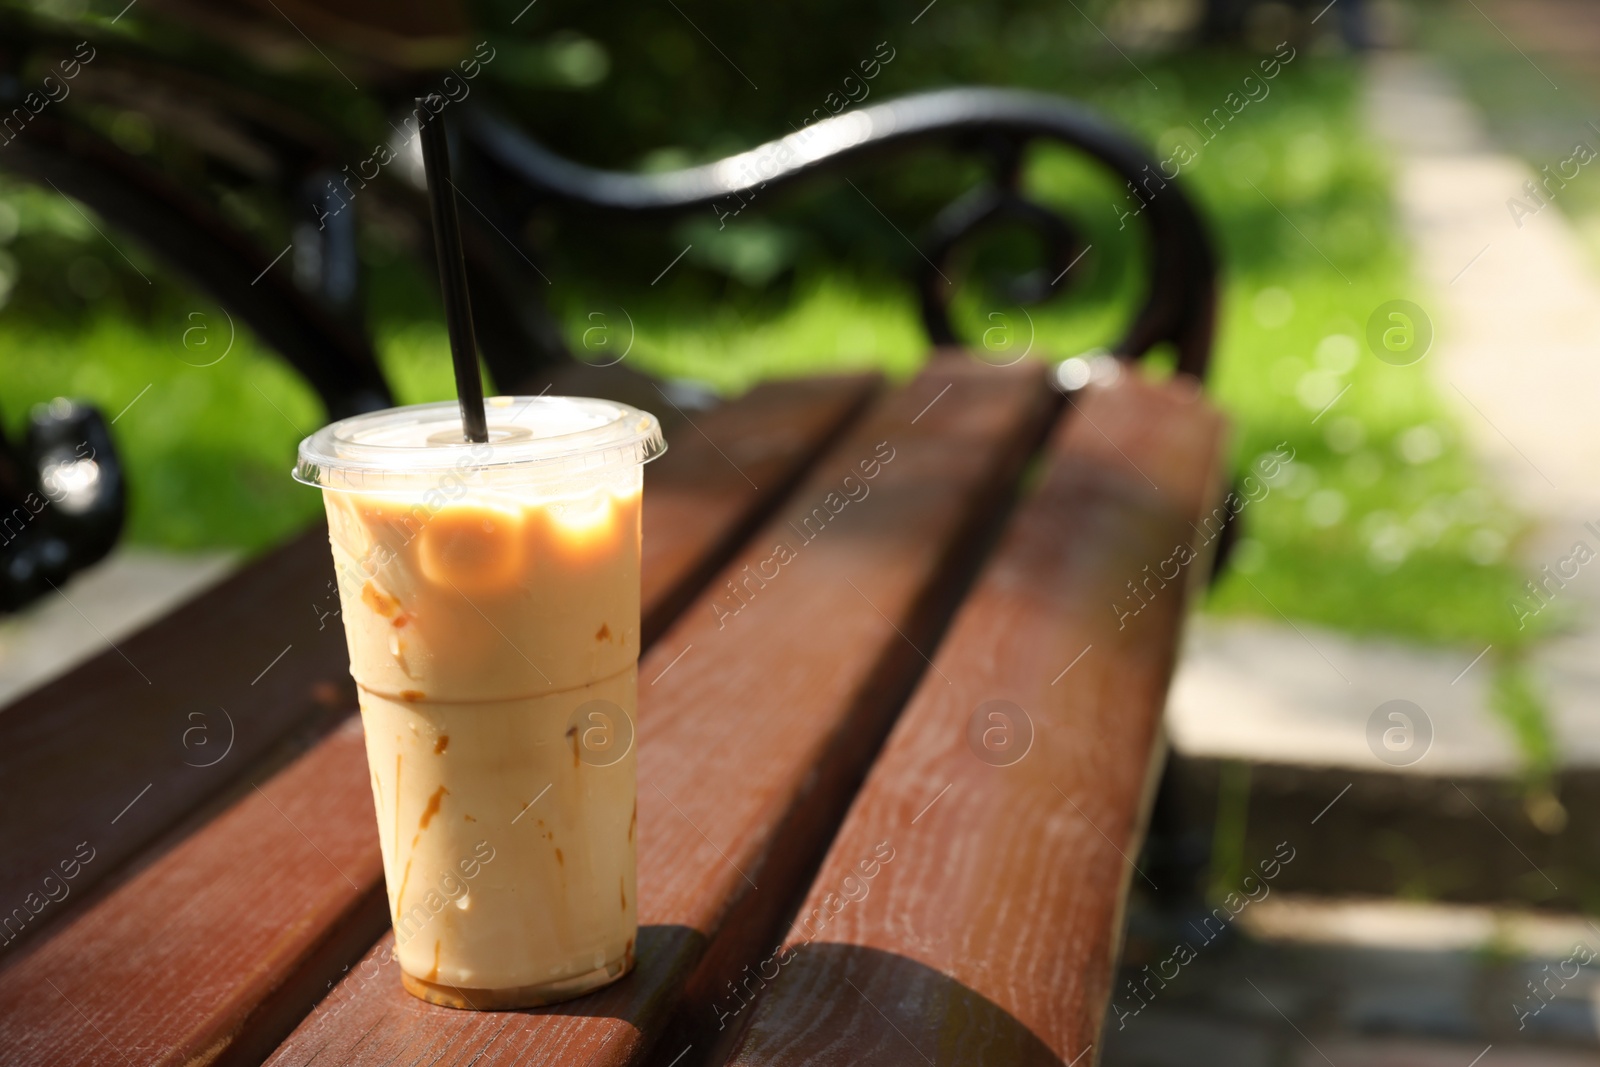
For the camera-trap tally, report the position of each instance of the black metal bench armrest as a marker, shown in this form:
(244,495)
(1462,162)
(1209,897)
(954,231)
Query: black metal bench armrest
(1179,302)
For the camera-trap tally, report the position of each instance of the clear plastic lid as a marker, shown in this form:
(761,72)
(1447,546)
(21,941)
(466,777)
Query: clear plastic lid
(531,439)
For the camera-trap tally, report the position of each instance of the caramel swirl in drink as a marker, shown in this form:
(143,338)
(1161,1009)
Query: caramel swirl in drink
(491,607)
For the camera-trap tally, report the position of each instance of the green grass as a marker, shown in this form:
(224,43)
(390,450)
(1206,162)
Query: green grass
(1515,699)
(208,448)
(1381,525)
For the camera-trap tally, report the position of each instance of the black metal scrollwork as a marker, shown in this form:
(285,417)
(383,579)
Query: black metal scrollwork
(312,316)
(1180,295)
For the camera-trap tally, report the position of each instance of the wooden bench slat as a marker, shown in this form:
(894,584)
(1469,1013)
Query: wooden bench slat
(757,717)
(217,947)
(988,929)
(105,755)
(697,507)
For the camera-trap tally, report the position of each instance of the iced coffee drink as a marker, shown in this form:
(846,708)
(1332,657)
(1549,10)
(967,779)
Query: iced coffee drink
(490,598)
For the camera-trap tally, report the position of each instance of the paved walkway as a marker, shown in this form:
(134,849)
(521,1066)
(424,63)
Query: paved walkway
(130,588)
(1257,690)
(1519,344)
(1516,310)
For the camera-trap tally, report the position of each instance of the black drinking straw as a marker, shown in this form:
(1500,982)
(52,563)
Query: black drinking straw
(452,273)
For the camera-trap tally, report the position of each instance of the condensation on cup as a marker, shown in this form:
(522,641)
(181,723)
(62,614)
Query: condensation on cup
(490,597)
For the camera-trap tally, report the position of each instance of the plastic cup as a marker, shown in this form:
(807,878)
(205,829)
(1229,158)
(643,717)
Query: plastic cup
(490,598)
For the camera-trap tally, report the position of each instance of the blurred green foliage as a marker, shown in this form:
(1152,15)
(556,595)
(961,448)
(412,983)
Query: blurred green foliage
(1380,525)
(1515,698)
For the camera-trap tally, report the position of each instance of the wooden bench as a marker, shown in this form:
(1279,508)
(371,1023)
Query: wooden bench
(804,897)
